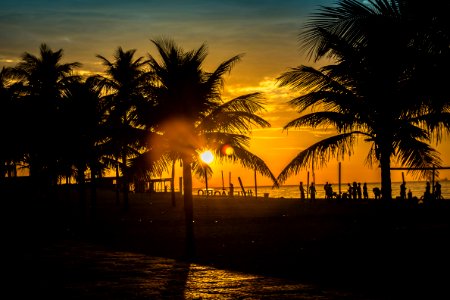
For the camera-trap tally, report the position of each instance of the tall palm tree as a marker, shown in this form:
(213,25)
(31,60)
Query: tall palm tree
(368,92)
(191,116)
(9,127)
(124,84)
(44,80)
(84,118)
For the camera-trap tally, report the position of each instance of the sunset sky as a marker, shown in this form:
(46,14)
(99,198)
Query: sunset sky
(265,31)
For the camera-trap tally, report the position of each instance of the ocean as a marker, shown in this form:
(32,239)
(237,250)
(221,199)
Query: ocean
(292,191)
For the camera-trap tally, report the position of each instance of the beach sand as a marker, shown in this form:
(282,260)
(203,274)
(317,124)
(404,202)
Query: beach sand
(381,251)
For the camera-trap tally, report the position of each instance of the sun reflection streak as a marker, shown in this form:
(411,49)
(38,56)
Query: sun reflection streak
(204,282)
(136,275)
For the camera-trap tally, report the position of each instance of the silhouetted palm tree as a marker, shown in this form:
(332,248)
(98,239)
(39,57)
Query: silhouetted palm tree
(124,84)
(84,118)
(10,152)
(192,116)
(368,92)
(44,80)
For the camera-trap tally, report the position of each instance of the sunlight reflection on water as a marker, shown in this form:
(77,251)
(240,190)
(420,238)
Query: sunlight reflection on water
(91,272)
(209,283)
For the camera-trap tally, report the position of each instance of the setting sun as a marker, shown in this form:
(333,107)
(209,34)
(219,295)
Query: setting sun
(207,156)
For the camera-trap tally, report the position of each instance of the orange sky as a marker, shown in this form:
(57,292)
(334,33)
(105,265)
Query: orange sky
(265,31)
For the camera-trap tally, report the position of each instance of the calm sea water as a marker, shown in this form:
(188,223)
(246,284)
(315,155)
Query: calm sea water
(292,191)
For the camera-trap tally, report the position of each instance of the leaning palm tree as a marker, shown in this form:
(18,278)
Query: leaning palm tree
(190,115)
(44,80)
(367,94)
(124,85)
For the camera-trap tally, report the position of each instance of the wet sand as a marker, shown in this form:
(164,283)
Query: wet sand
(357,250)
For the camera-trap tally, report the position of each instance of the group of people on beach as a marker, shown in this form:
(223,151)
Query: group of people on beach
(428,195)
(356,192)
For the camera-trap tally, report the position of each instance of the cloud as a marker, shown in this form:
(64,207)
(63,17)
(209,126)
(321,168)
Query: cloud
(8,61)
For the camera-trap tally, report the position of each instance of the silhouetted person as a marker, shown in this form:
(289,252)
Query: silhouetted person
(349,191)
(427,195)
(231,189)
(403,190)
(359,191)
(312,191)
(325,189)
(302,191)
(377,192)
(437,191)
(365,192)
(330,191)
(410,195)
(354,190)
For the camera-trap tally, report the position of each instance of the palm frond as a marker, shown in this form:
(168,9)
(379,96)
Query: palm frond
(320,153)
(342,122)
(150,163)
(418,156)
(313,82)
(346,20)
(214,81)
(251,161)
(237,115)
(215,140)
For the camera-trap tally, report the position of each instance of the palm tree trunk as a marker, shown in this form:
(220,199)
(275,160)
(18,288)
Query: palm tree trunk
(126,186)
(188,208)
(81,183)
(172,184)
(9,166)
(3,169)
(386,185)
(93,187)
(117,184)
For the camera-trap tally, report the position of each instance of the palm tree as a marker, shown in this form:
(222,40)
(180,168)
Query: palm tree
(368,92)
(10,151)
(44,80)
(124,84)
(84,118)
(191,115)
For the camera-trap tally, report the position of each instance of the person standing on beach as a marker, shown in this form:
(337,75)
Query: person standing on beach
(365,192)
(359,191)
(231,189)
(302,191)
(427,194)
(410,197)
(325,189)
(312,191)
(437,191)
(403,190)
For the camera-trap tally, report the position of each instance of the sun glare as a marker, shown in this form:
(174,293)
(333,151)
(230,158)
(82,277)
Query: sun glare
(207,156)
(227,150)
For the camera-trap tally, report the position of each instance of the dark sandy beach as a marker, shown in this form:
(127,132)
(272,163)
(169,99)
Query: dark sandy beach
(366,250)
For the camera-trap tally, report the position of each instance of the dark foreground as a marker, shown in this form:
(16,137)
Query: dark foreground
(246,248)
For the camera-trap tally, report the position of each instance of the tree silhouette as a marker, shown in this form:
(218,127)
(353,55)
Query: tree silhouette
(84,122)
(371,90)
(124,84)
(190,116)
(43,80)
(10,152)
